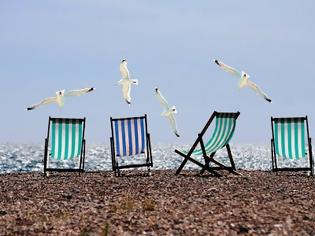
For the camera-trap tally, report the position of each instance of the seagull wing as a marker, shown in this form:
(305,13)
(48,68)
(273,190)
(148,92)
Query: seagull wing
(254,87)
(78,92)
(46,101)
(228,69)
(124,72)
(161,99)
(172,121)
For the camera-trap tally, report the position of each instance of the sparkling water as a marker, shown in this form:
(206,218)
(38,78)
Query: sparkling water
(27,158)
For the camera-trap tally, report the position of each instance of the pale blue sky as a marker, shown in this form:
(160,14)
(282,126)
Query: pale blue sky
(46,45)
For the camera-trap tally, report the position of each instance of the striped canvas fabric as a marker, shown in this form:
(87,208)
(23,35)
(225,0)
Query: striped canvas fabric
(129,136)
(66,138)
(223,132)
(289,137)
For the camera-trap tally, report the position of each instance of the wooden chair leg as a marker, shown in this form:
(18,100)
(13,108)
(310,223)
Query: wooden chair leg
(181,166)
(45,157)
(207,163)
(272,157)
(230,156)
(311,157)
(197,163)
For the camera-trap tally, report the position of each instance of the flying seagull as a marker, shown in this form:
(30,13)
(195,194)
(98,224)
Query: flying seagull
(244,79)
(125,81)
(60,97)
(169,112)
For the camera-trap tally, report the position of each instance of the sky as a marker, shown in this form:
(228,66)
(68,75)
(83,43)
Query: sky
(47,45)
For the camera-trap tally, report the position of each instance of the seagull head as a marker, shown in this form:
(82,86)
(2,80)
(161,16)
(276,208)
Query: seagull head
(216,62)
(123,61)
(174,110)
(244,74)
(60,92)
(156,89)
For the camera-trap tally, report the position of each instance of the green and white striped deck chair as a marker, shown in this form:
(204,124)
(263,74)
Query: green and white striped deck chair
(225,124)
(65,141)
(290,141)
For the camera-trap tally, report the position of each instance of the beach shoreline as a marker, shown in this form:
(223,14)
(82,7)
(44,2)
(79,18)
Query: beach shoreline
(97,203)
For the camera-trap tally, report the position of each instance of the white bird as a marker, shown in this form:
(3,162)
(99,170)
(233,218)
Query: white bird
(60,97)
(169,112)
(244,79)
(125,81)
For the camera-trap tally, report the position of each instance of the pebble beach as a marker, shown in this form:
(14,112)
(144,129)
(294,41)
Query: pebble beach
(97,203)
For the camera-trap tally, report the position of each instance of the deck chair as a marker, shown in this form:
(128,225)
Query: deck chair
(224,129)
(67,142)
(130,137)
(290,140)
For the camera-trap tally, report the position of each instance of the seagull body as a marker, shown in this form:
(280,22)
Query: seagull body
(169,112)
(59,99)
(125,81)
(244,79)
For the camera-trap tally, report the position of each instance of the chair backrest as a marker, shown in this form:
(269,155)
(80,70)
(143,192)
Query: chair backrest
(225,124)
(129,135)
(289,137)
(66,137)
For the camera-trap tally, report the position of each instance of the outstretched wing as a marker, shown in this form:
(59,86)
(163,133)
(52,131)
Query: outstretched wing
(171,119)
(228,69)
(254,87)
(78,92)
(124,72)
(161,99)
(46,101)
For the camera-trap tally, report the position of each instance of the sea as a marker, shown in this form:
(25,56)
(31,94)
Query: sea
(16,158)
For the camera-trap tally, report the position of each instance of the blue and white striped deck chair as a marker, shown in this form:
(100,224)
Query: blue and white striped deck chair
(290,141)
(225,124)
(65,141)
(130,137)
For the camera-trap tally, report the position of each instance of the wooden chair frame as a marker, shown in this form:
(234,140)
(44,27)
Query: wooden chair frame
(115,163)
(82,154)
(209,159)
(273,150)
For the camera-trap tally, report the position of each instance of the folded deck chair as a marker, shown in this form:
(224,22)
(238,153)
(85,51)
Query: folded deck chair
(290,140)
(67,142)
(224,129)
(130,137)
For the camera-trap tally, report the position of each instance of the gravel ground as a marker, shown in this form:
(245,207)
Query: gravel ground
(254,202)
